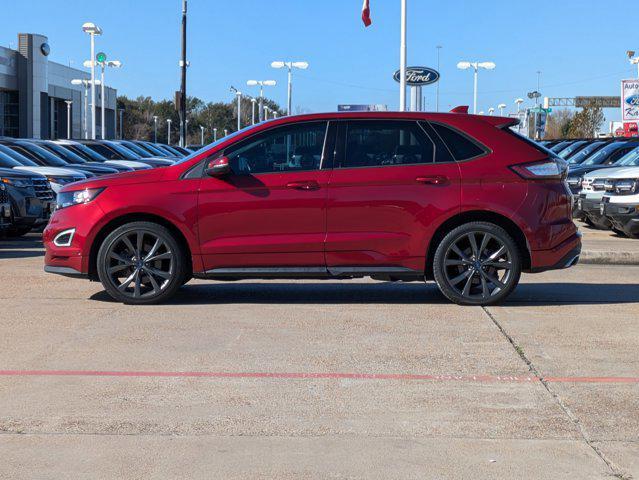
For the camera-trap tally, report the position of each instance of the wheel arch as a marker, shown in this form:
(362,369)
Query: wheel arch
(128,218)
(478,216)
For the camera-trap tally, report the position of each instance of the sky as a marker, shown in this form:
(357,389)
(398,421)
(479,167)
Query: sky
(579,46)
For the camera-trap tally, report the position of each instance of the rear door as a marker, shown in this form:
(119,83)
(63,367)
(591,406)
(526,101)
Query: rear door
(393,180)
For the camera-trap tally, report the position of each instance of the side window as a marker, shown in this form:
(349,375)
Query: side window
(378,143)
(286,149)
(459,145)
(617,155)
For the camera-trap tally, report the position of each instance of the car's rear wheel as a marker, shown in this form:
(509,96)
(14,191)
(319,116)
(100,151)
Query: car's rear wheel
(141,263)
(477,263)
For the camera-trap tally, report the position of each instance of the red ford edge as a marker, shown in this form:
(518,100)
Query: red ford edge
(456,198)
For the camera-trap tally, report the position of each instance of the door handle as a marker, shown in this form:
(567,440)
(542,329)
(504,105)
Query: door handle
(304,185)
(432,180)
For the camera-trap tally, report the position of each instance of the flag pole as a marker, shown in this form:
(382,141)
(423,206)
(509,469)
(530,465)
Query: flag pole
(402,60)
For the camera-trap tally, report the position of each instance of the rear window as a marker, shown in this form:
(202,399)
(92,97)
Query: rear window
(462,147)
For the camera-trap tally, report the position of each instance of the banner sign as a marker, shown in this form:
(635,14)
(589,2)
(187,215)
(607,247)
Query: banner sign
(630,100)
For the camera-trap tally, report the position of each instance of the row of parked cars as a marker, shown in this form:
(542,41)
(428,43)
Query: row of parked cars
(32,172)
(603,176)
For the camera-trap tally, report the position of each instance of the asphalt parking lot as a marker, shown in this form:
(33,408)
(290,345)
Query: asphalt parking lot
(355,379)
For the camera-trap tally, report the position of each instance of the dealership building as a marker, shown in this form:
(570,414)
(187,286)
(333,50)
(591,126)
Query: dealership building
(34,92)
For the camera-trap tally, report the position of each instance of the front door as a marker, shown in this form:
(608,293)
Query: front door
(391,182)
(271,210)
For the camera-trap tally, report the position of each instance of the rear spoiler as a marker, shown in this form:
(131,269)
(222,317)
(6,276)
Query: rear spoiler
(498,122)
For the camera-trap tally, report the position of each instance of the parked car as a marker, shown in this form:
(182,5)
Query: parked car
(171,150)
(584,153)
(57,177)
(142,152)
(74,160)
(606,156)
(92,156)
(114,151)
(31,199)
(43,157)
(5,208)
(621,203)
(157,150)
(573,148)
(461,199)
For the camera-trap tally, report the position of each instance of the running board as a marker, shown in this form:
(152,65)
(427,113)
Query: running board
(381,273)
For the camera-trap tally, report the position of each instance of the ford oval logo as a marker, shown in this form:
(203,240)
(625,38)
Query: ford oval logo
(633,100)
(418,76)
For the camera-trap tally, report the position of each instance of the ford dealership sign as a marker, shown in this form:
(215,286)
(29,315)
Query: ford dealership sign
(419,76)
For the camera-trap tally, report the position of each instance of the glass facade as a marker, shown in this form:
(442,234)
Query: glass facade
(9,118)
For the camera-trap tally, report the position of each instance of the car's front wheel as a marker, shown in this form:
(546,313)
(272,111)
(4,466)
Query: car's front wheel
(141,263)
(477,263)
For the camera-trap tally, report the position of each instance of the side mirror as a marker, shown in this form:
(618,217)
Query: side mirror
(218,167)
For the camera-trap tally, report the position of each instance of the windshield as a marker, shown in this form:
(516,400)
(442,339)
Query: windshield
(215,144)
(136,148)
(21,159)
(568,150)
(172,151)
(602,154)
(629,159)
(86,152)
(581,155)
(124,152)
(7,162)
(155,150)
(45,156)
(63,153)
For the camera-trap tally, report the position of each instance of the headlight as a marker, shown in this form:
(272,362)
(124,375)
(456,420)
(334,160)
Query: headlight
(626,186)
(574,181)
(17,182)
(77,197)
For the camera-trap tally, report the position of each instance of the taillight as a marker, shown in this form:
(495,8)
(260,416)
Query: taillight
(550,169)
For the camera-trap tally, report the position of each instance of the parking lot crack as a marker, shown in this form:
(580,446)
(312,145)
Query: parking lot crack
(614,470)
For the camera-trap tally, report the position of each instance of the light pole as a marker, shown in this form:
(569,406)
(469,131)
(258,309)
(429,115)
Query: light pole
(518,102)
(538,87)
(501,108)
(155,129)
(491,110)
(239,107)
(633,60)
(92,30)
(439,48)
(201,135)
(215,134)
(69,103)
(168,131)
(290,66)
(253,104)
(266,110)
(475,66)
(261,84)
(101,58)
(226,132)
(84,82)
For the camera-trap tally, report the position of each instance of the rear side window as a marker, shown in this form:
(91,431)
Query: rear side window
(379,143)
(462,147)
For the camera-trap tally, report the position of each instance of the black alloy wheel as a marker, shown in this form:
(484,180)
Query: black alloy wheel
(477,264)
(141,263)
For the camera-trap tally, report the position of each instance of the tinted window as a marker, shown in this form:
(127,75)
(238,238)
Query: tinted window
(385,143)
(106,152)
(460,146)
(296,148)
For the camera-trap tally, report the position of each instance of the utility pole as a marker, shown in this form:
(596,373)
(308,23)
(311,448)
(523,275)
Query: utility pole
(183,82)
(439,48)
(402,58)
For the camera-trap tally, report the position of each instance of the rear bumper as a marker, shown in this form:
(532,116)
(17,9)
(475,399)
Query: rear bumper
(564,255)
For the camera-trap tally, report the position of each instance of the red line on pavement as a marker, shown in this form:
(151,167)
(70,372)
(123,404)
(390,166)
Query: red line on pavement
(293,375)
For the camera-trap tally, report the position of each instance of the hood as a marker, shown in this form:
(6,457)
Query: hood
(123,178)
(13,172)
(53,171)
(618,172)
(129,163)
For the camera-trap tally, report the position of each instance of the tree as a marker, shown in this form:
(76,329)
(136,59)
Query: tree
(559,124)
(587,122)
(138,116)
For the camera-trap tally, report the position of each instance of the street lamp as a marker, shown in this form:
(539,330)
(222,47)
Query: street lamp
(491,110)
(239,107)
(168,131)
(475,66)
(266,110)
(101,60)
(201,135)
(253,104)
(69,103)
(92,30)
(262,84)
(215,134)
(633,60)
(85,83)
(290,66)
(155,129)
(501,107)
(518,102)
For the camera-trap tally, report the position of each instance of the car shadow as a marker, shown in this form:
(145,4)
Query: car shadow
(331,292)
(5,254)
(21,247)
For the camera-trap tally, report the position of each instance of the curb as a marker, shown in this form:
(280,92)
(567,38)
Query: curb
(607,257)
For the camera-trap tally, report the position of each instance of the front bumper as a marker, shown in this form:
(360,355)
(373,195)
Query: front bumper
(591,209)
(623,216)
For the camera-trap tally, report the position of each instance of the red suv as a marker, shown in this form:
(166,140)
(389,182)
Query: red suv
(453,197)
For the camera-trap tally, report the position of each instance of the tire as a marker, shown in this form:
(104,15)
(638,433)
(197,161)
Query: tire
(141,263)
(14,232)
(466,278)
